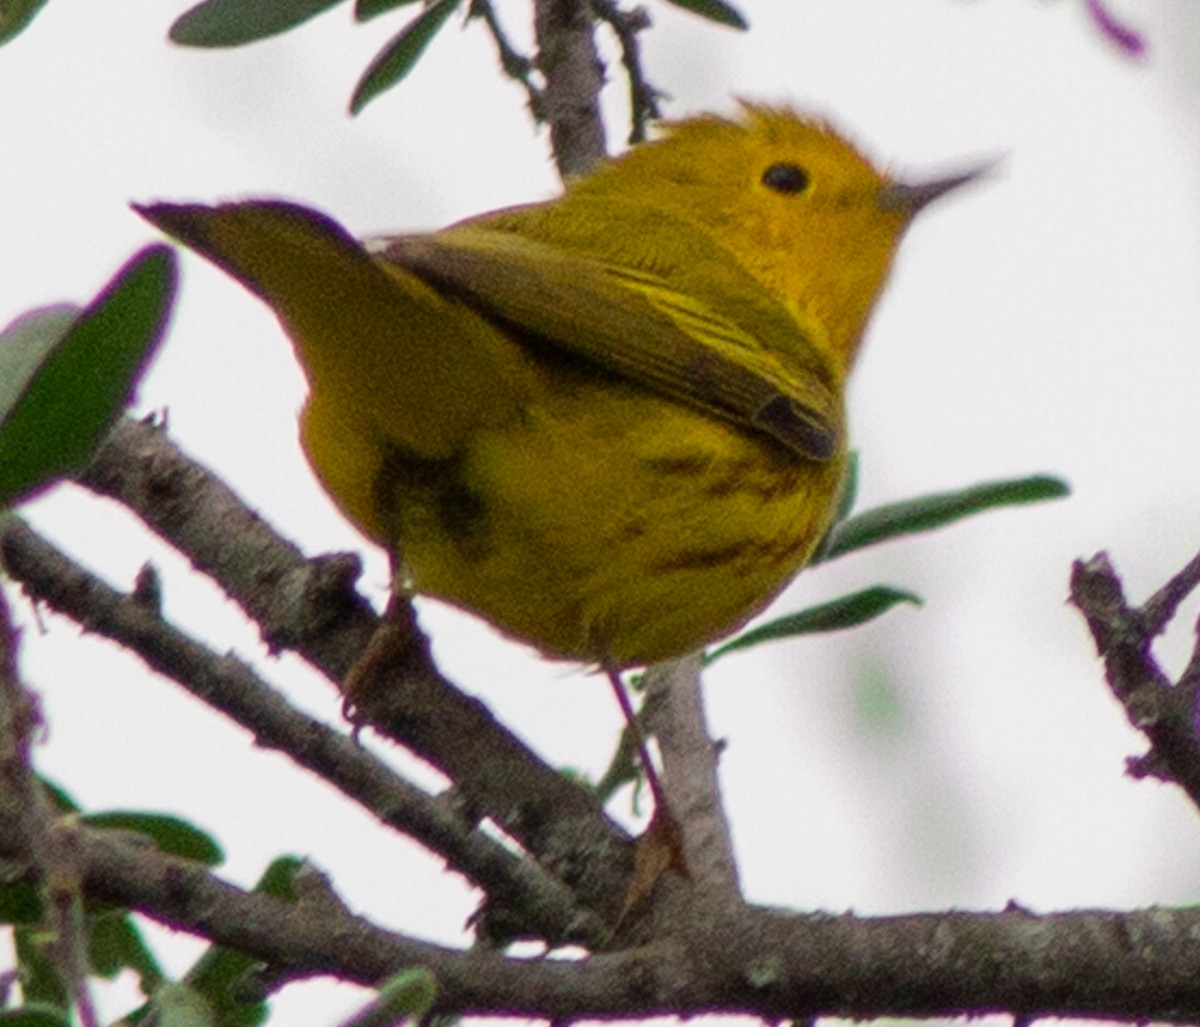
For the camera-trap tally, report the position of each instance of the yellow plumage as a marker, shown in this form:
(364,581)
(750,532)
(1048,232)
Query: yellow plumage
(613,423)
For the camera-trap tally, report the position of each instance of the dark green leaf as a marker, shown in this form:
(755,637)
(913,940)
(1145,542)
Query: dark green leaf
(84,382)
(116,944)
(59,797)
(35,1014)
(40,980)
(25,345)
(714,10)
(219,973)
(365,10)
(15,15)
(928,512)
(169,834)
(846,612)
(20,903)
(406,996)
(400,56)
(236,22)
(279,879)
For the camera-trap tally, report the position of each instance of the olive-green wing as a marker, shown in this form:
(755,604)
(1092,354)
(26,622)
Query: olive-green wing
(636,322)
(386,355)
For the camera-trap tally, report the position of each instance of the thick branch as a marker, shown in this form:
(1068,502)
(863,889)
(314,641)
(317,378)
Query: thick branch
(567,57)
(230,686)
(311,608)
(675,704)
(1132,966)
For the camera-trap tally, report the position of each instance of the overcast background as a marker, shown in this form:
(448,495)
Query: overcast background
(963,754)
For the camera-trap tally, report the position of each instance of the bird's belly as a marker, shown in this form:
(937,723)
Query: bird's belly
(611,526)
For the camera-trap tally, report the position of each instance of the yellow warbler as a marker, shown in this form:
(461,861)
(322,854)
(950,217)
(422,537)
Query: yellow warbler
(612,424)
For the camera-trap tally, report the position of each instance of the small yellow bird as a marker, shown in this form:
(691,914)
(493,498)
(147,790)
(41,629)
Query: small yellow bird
(613,423)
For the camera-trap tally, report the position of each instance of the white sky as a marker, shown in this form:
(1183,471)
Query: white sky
(1048,321)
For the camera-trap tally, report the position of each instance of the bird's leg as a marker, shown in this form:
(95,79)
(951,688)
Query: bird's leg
(660,848)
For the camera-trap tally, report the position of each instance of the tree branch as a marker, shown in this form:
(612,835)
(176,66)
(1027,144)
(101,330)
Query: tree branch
(36,828)
(675,708)
(311,608)
(530,896)
(568,59)
(1164,712)
(1131,966)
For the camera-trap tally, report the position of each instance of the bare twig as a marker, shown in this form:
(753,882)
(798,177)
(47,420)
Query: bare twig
(527,892)
(1163,712)
(643,97)
(516,65)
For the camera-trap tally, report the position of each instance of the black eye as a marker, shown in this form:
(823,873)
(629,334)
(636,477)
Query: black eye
(786,178)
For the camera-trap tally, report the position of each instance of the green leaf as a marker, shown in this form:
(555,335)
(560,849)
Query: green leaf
(15,16)
(935,511)
(24,346)
(35,1014)
(115,943)
(219,973)
(279,879)
(365,10)
(86,378)
(170,834)
(40,980)
(714,10)
(237,22)
(400,56)
(59,797)
(846,612)
(177,1005)
(20,903)
(407,995)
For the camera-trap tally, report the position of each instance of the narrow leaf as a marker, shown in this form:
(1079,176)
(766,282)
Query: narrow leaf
(714,10)
(365,10)
(170,834)
(217,23)
(15,16)
(928,512)
(81,386)
(846,612)
(400,56)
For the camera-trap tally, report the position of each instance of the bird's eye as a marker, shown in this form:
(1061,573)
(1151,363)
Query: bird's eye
(786,178)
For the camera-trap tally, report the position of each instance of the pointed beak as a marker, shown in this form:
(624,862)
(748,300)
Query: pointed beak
(906,198)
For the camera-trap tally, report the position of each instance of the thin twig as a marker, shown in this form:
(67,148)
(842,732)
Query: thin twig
(1164,713)
(1161,607)
(516,65)
(643,97)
